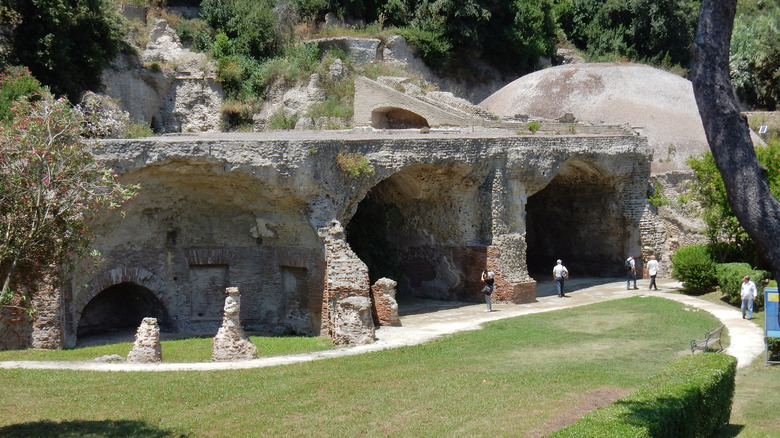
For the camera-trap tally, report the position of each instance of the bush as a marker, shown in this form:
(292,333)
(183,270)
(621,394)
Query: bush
(693,266)
(16,82)
(690,398)
(730,276)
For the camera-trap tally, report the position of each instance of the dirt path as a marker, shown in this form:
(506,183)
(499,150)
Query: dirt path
(424,321)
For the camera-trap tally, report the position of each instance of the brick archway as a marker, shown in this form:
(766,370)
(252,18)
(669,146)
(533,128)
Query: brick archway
(116,276)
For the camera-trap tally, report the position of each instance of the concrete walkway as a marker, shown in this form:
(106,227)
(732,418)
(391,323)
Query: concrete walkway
(425,320)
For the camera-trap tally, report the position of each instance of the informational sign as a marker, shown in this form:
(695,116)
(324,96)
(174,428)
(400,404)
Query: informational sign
(771,302)
(762,129)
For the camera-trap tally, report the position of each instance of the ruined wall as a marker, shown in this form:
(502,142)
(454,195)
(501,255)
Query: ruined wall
(267,215)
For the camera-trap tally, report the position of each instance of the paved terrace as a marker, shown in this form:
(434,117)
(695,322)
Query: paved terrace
(428,320)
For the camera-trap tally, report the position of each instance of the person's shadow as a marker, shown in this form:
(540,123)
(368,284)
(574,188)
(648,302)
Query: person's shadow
(79,428)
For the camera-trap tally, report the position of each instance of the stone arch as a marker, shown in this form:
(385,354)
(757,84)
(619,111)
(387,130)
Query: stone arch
(132,278)
(390,117)
(121,307)
(578,217)
(423,227)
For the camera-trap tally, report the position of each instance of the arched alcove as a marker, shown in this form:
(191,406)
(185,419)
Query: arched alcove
(397,118)
(578,217)
(121,307)
(423,228)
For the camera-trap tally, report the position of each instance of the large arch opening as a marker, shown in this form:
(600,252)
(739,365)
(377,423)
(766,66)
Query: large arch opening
(397,118)
(423,228)
(578,217)
(120,309)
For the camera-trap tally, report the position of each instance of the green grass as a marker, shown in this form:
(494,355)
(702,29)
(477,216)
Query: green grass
(196,349)
(512,378)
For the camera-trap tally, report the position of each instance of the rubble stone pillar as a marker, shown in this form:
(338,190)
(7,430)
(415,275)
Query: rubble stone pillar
(231,342)
(47,323)
(385,306)
(146,348)
(506,256)
(346,277)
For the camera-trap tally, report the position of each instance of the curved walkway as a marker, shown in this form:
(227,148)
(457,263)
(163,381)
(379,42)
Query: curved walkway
(428,320)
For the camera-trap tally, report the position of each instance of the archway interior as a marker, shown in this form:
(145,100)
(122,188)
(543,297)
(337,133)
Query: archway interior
(397,118)
(578,217)
(121,307)
(423,228)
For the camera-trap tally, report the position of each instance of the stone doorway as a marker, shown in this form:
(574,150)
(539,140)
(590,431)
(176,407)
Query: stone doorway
(423,228)
(121,308)
(578,217)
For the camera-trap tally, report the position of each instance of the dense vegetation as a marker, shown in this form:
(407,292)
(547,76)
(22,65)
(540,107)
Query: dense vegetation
(255,42)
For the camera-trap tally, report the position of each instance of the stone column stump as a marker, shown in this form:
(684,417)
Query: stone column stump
(385,305)
(146,348)
(353,321)
(231,342)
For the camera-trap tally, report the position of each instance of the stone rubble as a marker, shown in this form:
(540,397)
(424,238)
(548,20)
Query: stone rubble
(231,342)
(146,348)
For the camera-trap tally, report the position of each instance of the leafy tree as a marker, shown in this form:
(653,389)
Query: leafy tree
(655,31)
(66,43)
(755,55)
(50,185)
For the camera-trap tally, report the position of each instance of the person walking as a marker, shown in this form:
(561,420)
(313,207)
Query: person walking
(652,271)
(488,277)
(748,294)
(560,274)
(630,265)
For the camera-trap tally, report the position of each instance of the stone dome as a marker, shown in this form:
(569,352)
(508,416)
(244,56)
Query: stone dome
(658,104)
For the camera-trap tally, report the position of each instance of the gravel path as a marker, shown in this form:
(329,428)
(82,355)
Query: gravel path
(427,320)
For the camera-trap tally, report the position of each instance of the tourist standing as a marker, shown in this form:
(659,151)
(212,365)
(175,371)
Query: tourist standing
(652,271)
(630,265)
(560,274)
(489,278)
(748,294)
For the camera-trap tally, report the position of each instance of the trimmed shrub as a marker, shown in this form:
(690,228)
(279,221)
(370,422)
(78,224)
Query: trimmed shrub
(730,280)
(691,397)
(693,266)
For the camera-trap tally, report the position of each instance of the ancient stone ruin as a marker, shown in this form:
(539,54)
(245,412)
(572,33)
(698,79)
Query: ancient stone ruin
(146,347)
(231,342)
(352,321)
(385,306)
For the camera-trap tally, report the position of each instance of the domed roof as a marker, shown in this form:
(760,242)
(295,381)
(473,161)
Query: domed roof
(659,104)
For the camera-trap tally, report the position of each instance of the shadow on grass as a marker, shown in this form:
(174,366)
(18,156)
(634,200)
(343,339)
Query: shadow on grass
(86,429)
(729,431)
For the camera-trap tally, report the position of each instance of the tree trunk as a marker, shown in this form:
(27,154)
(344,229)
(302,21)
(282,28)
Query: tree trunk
(728,133)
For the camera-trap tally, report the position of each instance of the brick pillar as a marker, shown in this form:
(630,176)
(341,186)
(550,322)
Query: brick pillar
(346,277)
(506,256)
(47,324)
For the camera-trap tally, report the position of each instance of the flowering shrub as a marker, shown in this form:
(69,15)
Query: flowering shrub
(50,185)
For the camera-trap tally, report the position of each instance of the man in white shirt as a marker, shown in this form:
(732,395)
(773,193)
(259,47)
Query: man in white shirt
(652,271)
(560,274)
(748,294)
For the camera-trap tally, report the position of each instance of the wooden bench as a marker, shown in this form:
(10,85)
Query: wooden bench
(709,341)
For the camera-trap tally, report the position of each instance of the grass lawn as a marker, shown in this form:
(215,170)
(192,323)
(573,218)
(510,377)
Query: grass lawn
(517,377)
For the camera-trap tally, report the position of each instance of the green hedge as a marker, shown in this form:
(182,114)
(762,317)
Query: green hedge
(691,397)
(730,280)
(695,268)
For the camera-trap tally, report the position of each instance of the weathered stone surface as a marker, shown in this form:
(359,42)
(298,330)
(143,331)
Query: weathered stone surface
(353,323)
(231,342)
(385,306)
(146,348)
(179,94)
(266,212)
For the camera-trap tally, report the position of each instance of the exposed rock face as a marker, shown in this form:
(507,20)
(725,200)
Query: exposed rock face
(353,323)
(231,343)
(385,306)
(146,347)
(174,90)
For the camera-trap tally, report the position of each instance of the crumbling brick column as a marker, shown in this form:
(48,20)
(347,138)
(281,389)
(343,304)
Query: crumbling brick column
(231,342)
(146,348)
(352,321)
(48,319)
(346,277)
(385,306)
(506,256)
